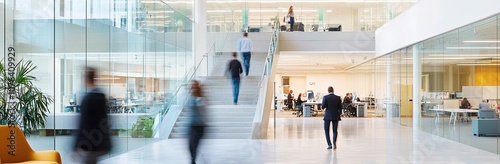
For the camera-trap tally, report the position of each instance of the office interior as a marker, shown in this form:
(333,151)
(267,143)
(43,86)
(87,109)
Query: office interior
(144,57)
(462,63)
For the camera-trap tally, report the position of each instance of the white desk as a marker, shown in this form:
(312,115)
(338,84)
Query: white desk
(129,106)
(454,113)
(312,104)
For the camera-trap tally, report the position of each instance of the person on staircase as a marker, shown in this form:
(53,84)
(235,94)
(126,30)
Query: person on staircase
(234,70)
(245,47)
(197,124)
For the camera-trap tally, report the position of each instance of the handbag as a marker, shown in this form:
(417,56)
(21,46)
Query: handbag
(286,19)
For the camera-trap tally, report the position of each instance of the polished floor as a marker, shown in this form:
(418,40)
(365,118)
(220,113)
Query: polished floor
(301,140)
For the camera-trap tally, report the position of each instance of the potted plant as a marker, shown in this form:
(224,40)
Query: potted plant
(148,127)
(135,131)
(32,104)
(122,133)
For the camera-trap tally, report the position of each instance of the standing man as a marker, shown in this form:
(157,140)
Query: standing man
(289,99)
(333,106)
(92,140)
(245,47)
(235,70)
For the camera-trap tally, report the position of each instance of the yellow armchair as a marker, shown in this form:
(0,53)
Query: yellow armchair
(16,149)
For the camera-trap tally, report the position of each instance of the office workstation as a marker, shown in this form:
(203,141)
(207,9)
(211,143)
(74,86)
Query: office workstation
(313,87)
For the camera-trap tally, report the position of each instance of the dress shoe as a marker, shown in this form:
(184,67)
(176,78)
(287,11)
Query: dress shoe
(334,146)
(329,147)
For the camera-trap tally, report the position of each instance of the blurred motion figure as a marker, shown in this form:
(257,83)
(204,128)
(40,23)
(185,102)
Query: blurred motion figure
(92,139)
(197,129)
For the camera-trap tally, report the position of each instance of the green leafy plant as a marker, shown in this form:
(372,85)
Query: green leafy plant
(143,127)
(135,132)
(32,104)
(148,127)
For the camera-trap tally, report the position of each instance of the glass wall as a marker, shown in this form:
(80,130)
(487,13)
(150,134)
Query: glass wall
(461,64)
(142,49)
(236,16)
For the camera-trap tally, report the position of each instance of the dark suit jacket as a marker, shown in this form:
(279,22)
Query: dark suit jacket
(93,131)
(333,106)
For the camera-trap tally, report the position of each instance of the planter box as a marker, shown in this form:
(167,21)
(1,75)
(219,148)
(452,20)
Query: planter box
(124,134)
(46,132)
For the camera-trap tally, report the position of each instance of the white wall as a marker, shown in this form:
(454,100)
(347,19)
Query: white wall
(298,84)
(342,83)
(430,18)
(327,41)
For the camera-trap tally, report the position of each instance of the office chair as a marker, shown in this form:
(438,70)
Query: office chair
(298,109)
(349,111)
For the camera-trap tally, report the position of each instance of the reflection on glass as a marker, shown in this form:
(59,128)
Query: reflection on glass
(142,54)
(462,63)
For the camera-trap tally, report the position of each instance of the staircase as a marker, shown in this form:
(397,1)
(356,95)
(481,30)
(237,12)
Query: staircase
(225,120)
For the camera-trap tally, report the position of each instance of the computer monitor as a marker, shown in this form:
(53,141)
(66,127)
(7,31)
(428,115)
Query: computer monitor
(459,95)
(310,95)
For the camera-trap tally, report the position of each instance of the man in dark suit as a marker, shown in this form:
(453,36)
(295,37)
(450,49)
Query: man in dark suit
(333,110)
(92,138)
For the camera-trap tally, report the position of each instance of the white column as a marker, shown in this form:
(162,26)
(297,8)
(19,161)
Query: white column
(388,93)
(418,153)
(417,85)
(200,36)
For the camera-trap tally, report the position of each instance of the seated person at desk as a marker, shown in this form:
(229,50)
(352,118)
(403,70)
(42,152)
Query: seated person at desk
(465,104)
(347,104)
(299,105)
(484,105)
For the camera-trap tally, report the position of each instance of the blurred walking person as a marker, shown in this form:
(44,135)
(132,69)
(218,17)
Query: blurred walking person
(197,124)
(93,139)
(245,47)
(234,69)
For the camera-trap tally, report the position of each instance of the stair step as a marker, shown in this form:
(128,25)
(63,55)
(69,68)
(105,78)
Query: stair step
(209,129)
(217,136)
(231,107)
(230,103)
(218,119)
(218,124)
(241,100)
(213,114)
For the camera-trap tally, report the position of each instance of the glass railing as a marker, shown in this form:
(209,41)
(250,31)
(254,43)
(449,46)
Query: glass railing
(141,48)
(263,83)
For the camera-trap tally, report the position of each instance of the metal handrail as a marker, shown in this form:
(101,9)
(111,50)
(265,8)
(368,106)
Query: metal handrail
(272,50)
(224,42)
(187,80)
